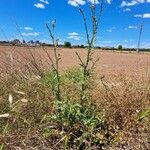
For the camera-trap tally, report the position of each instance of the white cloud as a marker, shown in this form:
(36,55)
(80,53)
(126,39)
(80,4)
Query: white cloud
(75,3)
(39,5)
(127,9)
(111,29)
(133,2)
(73,34)
(74,37)
(138,16)
(126,41)
(140,1)
(132,27)
(109,1)
(146,15)
(30,34)
(28,28)
(45,1)
(94,1)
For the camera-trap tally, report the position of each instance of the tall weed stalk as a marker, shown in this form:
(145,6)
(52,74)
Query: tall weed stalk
(88,64)
(55,62)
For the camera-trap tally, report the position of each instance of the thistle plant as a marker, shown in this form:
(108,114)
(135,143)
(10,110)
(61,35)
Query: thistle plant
(88,64)
(55,62)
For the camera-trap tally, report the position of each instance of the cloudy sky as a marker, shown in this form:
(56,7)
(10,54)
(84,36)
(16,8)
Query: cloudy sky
(120,22)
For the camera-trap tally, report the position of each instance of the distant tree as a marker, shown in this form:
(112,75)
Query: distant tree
(31,42)
(23,41)
(120,47)
(37,42)
(16,41)
(98,47)
(67,44)
(82,46)
(4,42)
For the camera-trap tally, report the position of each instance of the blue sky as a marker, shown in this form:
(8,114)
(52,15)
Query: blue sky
(119,24)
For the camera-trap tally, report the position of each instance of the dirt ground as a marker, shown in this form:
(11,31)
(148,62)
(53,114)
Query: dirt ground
(110,62)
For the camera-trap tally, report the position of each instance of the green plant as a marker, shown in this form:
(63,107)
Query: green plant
(55,62)
(74,75)
(72,113)
(144,114)
(80,124)
(88,64)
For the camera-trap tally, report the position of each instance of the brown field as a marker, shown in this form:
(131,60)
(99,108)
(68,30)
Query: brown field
(30,104)
(109,63)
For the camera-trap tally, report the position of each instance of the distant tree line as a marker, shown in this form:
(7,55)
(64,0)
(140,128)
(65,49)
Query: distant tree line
(23,42)
(67,45)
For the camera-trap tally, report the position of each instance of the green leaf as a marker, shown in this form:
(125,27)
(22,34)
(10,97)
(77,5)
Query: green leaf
(143,115)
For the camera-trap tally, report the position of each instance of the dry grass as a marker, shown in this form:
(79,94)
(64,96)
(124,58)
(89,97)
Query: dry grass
(123,98)
(119,98)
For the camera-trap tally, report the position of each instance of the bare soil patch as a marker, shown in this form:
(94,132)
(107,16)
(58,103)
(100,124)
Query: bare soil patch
(110,62)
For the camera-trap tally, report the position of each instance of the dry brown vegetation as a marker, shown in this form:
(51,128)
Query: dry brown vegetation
(26,95)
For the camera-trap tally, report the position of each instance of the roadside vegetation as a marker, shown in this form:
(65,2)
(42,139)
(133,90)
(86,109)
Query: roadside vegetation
(76,109)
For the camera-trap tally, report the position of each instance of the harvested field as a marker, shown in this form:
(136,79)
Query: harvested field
(27,104)
(110,62)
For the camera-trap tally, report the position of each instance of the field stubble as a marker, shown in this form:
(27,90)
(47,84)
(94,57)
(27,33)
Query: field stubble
(120,96)
(110,62)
